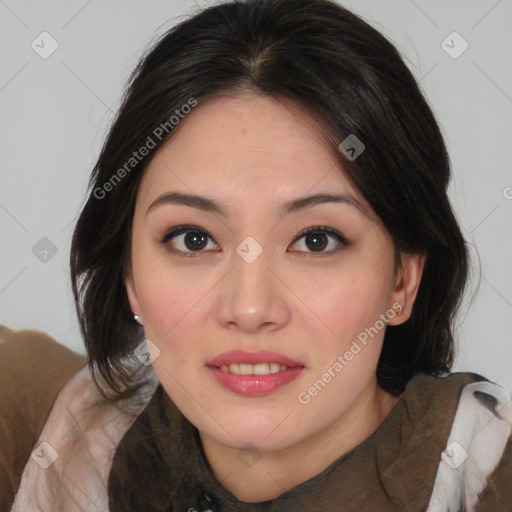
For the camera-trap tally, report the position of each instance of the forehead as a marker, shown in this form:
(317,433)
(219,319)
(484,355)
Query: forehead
(247,147)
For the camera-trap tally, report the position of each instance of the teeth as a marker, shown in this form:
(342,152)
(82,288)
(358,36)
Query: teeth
(245,369)
(253,369)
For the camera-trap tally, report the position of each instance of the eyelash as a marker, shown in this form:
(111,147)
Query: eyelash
(168,235)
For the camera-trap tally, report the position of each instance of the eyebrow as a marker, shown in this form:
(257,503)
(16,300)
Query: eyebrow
(210,205)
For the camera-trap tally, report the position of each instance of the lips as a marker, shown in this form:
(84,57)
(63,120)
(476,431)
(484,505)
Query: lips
(224,366)
(262,356)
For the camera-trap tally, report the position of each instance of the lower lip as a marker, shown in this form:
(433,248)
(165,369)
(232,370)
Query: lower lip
(255,385)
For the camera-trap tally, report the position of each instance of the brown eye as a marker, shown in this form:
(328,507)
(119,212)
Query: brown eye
(318,238)
(186,240)
(191,241)
(316,241)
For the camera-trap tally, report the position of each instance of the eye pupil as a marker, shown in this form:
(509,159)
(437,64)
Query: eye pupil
(318,240)
(194,240)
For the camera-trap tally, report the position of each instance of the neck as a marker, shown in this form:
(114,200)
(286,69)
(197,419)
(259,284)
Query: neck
(279,471)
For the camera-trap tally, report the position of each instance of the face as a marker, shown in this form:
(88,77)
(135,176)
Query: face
(300,290)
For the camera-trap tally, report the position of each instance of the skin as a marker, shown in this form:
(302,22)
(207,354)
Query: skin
(253,153)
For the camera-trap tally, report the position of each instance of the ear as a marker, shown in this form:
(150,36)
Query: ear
(132,295)
(407,283)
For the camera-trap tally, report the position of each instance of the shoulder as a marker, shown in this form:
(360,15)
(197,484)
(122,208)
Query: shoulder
(78,440)
(447,386)
(33,369)
(40,364)
(471,400)
(429,404)
(475,469)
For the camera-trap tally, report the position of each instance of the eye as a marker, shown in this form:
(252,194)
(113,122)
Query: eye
(187,238)
(317,238)
(191,239)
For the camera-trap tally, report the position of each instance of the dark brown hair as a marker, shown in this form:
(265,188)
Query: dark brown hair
(331,63)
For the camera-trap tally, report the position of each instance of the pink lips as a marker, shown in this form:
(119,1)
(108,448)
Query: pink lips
(263,356)
(253,385)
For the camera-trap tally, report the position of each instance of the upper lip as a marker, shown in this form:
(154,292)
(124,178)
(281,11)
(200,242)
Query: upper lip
(262,356)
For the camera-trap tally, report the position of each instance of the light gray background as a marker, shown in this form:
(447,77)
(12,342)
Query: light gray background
(55,112)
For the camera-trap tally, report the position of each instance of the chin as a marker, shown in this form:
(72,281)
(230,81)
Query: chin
(263,435)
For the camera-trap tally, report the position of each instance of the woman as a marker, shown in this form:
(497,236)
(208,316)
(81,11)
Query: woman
(266,274)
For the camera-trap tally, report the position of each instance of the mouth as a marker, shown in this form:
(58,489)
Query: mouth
(253,373)
(253,369)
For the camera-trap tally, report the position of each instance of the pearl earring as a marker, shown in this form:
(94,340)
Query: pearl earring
(136,318)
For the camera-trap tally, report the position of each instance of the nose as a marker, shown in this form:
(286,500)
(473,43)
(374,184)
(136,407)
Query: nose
(253,296)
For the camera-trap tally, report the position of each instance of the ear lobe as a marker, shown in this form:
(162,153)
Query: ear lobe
(132,296)
(407,283)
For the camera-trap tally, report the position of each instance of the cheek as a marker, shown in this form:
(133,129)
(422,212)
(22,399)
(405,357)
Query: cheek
(166,295)
(176,307)
(350,307)
(170,311)
(171,322)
